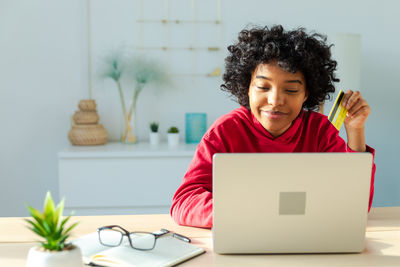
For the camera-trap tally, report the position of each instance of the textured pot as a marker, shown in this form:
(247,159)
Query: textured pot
(87,104)
(65,258)
(86,117)
(173,139)
(88,135)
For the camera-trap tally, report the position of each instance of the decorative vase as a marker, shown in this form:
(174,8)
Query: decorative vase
(86,117)
(173,139)
(87,104)
(128,135)
(154,138)
(88,135)
(85,130)
(38,257)
(196,127)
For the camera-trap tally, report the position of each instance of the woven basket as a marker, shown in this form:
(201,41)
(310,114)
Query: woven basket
(88,135)
(86,117)
(87,104)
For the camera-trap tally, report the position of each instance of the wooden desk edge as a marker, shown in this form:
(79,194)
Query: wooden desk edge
(13,229)
(379,213)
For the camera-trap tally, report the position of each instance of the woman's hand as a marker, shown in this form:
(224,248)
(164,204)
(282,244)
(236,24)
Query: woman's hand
(357,113)
(358,110)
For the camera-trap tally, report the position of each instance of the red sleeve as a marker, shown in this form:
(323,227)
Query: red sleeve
(192,202)
(371,190)
(332,142)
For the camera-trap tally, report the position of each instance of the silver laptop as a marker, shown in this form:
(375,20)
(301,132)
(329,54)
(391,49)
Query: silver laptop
(290,202)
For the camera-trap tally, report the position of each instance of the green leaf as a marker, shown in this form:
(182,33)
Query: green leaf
(48,209)
(37,228)
(59,212)
(65,221)
(71,227)
(39,220)
(46,227)
(37,215)
(38,232)
(63,238)
(58,233)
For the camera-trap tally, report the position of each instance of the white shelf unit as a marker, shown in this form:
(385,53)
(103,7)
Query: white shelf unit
(121,178)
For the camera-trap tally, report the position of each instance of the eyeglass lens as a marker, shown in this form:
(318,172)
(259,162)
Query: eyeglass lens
(142,240)
(110,237)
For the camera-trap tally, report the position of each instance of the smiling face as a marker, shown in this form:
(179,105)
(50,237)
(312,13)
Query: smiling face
(276,97)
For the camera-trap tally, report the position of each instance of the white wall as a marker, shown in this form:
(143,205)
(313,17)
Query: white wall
(43,76)
(40,83)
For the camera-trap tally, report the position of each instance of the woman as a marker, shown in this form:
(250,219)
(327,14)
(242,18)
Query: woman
(278,77)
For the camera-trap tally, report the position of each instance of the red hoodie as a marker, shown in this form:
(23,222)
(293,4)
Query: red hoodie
(239,131)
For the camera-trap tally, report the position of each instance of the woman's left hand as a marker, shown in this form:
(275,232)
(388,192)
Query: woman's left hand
(357,110)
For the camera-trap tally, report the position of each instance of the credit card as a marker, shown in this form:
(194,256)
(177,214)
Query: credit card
(338,113)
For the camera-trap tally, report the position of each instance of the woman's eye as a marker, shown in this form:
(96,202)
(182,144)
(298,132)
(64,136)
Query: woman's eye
(290,91)
(263,88)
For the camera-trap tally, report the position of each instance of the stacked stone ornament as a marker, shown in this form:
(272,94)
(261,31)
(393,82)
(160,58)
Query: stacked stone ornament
(86,131)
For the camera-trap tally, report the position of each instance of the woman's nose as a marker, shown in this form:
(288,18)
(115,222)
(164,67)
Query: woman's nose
(275,98)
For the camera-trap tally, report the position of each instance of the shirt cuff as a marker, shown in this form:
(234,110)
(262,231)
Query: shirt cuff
(368,149)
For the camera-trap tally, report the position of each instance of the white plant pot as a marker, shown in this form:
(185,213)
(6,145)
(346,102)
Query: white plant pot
(173,139)
(154,138)
(65,258)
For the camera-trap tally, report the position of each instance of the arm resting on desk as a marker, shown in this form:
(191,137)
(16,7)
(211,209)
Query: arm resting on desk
(192,202)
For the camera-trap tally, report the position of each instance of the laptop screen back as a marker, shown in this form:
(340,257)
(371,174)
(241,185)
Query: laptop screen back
(290,202)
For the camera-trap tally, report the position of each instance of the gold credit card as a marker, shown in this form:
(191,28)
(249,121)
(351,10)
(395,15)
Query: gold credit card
(338,113)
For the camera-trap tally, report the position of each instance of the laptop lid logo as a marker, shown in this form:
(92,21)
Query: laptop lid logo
(292,203)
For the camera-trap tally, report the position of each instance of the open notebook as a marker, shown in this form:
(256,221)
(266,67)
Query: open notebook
(168,251)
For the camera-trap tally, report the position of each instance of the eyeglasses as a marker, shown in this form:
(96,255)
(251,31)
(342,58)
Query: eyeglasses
(112,236)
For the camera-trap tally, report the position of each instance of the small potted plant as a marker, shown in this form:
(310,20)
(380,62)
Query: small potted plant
(54,250)
(154,136)
(173,136)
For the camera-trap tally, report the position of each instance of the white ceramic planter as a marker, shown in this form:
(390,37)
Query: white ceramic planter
(154,138)
(173,139)
(66,258)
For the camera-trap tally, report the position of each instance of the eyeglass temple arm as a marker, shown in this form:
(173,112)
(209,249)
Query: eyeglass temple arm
(161,232)
(176,235)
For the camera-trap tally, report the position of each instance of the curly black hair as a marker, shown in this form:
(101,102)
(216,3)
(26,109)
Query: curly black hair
(293,50)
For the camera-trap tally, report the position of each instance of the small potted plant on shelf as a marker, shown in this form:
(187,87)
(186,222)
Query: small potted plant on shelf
(54,250)
(154,136)
(173,136)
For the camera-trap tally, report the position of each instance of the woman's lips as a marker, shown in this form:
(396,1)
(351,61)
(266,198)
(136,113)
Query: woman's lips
(274,115)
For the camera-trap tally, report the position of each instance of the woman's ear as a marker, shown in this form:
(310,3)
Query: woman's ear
(251,80)
(306,96)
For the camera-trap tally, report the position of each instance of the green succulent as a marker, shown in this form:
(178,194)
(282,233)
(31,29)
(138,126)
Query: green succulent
(173,129)
(50,225)
(154,127)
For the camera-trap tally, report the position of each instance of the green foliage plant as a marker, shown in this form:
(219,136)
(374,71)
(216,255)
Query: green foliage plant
(173,129)
(154,127)
(50,225)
